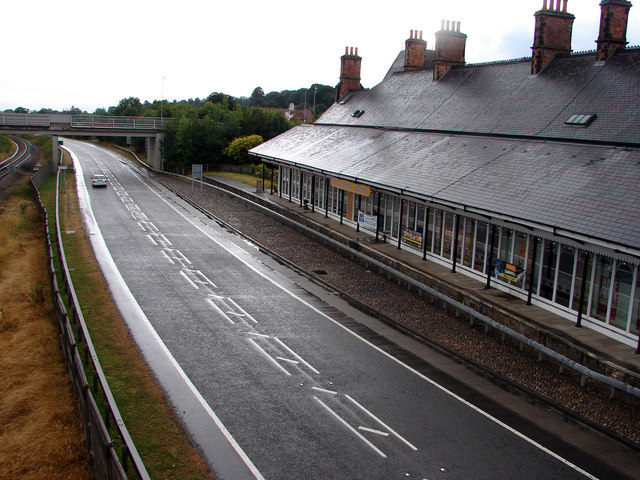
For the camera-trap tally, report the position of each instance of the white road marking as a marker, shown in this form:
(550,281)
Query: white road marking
(387,427)
(270,357)
(219,310)
(189,280)
(324,390)
(353,430)
(288,360)
(373,430)
(296,355)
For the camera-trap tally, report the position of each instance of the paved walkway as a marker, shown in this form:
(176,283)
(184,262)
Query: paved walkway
(606,351)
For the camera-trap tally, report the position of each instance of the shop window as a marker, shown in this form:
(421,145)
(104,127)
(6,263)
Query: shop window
(577,288)
(548,270)
(565,275)
(480,251)
(395,229)
(621,296)
(420,218)
(448,235)
(467,242)
(635,316)
(601,287)
(437,232)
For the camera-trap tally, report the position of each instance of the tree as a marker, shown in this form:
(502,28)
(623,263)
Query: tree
(128,107)
(238,148)
(257,97)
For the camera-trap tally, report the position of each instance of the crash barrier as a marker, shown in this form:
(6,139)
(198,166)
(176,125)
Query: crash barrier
(81,360)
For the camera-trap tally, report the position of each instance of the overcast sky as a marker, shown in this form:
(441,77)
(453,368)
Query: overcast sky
(85,54)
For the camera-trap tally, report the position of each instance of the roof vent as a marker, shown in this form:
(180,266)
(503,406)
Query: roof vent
(357,113)
(581,119)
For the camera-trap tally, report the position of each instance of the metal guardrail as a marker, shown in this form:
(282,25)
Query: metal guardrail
(25,120)
(105,461)
(114,122)
(68,121)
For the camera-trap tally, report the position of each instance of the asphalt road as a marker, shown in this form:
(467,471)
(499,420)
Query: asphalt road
(273,380)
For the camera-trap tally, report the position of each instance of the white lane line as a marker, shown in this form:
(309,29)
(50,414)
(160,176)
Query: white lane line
(219,310)
(167,256)
(304,362)
(373,430)
(244,312)
(288,360)
(387,427)
(324,390)
(269,357)
(153,241)
(378,349)
(258,334)
(353,430)
(189,280)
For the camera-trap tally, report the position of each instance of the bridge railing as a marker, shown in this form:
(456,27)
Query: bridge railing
(24,120)
(111,121)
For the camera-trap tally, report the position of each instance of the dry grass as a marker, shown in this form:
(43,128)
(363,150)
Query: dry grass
(40,434)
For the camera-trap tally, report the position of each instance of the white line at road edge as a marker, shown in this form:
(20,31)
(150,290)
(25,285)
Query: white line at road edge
(120,290)
(388,355)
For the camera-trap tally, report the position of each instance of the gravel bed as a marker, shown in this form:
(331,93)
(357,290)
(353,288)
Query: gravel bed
(620,415)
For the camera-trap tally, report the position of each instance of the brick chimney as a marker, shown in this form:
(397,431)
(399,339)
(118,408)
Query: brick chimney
(614,17)
(552,35)
(415,51)
(349,72)
(450,47)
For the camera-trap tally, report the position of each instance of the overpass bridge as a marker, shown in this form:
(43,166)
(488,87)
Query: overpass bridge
(64,124)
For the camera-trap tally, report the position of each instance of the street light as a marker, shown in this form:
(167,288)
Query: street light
(315,90)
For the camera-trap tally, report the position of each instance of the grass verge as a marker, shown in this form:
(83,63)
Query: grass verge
(40,433)
(162,443)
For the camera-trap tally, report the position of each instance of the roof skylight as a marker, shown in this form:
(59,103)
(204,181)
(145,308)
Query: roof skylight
(581,119)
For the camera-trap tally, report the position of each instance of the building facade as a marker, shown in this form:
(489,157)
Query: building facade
(524,174)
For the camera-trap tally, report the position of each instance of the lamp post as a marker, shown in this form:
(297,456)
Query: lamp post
(161,99)
(315,90)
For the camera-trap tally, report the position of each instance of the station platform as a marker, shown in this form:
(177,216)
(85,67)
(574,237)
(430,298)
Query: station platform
(585,345)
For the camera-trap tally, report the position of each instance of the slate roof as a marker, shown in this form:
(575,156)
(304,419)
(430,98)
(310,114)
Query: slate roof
(588,190)
(490,139)
(505,99)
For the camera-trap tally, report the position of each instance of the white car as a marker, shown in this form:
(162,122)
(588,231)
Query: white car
(99,180)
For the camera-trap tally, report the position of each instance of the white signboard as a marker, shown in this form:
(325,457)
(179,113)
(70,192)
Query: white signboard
(196,171)
(369,222)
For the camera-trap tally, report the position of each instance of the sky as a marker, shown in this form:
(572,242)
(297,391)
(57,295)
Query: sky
(89,55)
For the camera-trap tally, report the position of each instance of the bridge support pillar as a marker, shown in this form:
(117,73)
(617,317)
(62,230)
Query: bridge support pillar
(55,154)
(154,153)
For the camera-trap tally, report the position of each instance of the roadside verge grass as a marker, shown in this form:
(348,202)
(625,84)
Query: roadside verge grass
(40,432)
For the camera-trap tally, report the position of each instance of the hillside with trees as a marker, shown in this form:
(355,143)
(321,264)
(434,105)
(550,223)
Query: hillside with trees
(203,130)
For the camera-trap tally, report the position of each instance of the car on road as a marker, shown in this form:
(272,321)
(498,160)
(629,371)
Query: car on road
(99,180)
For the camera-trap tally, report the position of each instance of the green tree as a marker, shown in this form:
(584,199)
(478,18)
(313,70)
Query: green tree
(238,148)
(257,97)
(128,107)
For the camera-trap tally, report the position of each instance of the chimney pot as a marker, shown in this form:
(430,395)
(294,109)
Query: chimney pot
(564,6)
(448,25)
(458,27)
(420,34)
(356,51)
(544,4)
(346,50)
(442,27)
(410,33)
